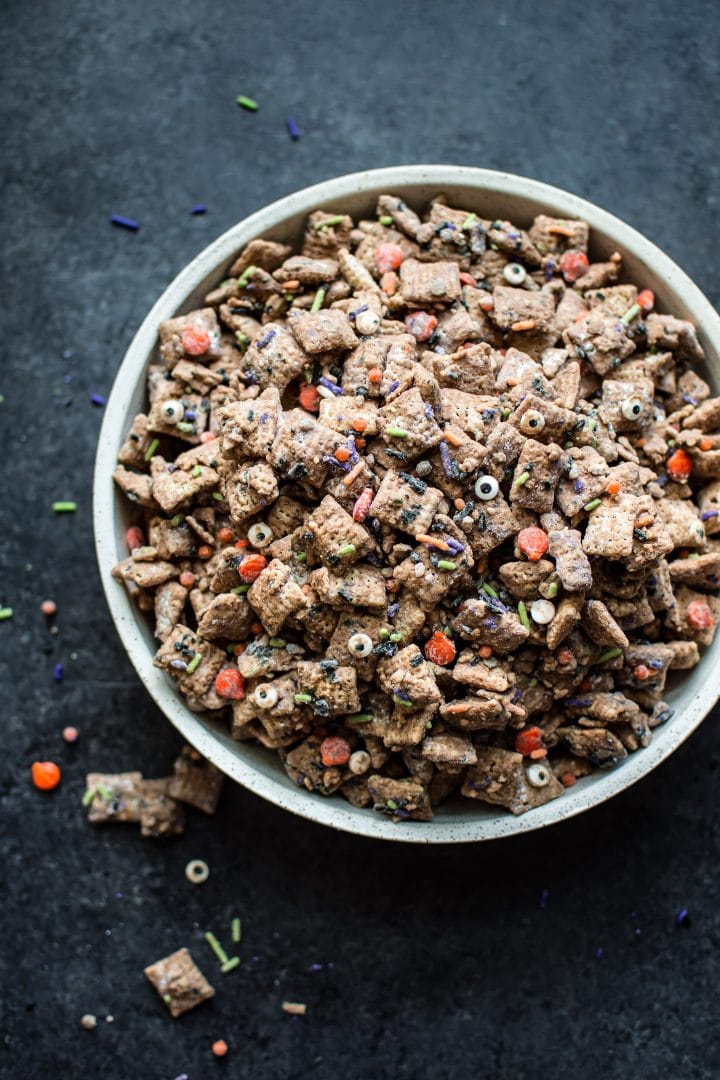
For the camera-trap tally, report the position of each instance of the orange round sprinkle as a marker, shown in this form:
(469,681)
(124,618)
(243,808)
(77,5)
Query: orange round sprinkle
(699,615)
(225,535)
(240,649)
(240,544)
(642,672)
(679,465)
(229,683)
(45,775)
(70,734)
(342,453)
(308,397)
(468,279)
(195,340)
(532,542)
(220,1048)
(613,487)
(459,504)
(205,551)
(359,424)
(48,607)
(485,651)
(334,751)
(646,300)
(360,444)
(187,579)
(375,375)
(439,649)
(529,739)
(706,444)
(568,779)
(252,567)
(256,627)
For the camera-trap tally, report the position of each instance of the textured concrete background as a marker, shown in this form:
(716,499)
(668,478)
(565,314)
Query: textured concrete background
(435,963)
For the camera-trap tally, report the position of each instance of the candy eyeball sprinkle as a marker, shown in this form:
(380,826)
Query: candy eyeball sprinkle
(542,612)
(265,696)
(260,535)
(532,422)
(538,775)
(486,488)
(632,409)
(514,273)
(173,411)
(359,762)
(360,645)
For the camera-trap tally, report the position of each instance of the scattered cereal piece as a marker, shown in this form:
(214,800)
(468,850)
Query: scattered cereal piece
(179,982)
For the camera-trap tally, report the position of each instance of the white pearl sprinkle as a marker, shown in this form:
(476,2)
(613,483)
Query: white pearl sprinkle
(367,322)
(359,762)
(542,612)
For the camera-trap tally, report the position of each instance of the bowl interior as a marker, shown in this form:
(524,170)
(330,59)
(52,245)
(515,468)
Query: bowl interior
(490,194)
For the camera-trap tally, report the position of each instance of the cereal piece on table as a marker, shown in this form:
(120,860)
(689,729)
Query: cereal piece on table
(567,384)
(146,575)
(275,596)
(683,522)
(196,781)
(227,616)
(448,750)
(249,489)
(133,450)
(249,427)
(601,339)
(137,487)
(585,480)
(542,420)
(173,489)
(406,727)
(408,423)
(601,748)
(429,283)
(513,306)
(493,521)
(115,797)
(302,448)
(160,815)
(405,801)
(274,358)
(471,369)
(677,335)
(599,625)
(487,622)
(501,777)
(336,538)
(179,982)
(170,600)
(322,331)
(609,530)
(405,502)
(196,334)
(333,688)
(503,445)
(536,476)
(553,235)
(285,515)
(456,327)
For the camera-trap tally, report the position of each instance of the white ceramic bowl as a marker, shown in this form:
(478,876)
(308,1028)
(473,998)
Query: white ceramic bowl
(491,194)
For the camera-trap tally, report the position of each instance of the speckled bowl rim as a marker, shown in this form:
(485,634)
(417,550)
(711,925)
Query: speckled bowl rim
(472,822)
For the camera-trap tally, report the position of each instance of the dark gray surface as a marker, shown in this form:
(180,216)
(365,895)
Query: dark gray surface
(437,962)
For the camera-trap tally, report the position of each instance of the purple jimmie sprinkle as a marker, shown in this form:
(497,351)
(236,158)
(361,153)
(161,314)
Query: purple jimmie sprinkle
(393,387)
(67,378)
(97,399)
(179,665)
(549,269)
(707,514)
(330,385)
(58,673)
(429,411)
(125,222)
(190,415)
(599,952)
(198,209)
(492,624)
(455,546)
(329,460)
(354,457)
(265,339)
(516,696)
(656,665)
(402,694)
(447,461)
(578,702)
(393,610)
(315,967)
(689,400)
(683,917)
(544,897)
(578,486)
(293,129)
(357,311)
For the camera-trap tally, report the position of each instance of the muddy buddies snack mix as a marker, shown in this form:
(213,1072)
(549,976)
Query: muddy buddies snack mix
(429,508)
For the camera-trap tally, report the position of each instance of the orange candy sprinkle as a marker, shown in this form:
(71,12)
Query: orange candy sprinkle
(229,683)
(706,444)
(359,424)
(613,488)
(646,300)
(334,751)
(45,775)
(205,551)
(252,567)
(187,579)
(439,649)
(225,535)
(532,542)
(375,375)
(219,1048)
(568,779)
(699,615)
(309,398)
(485,652)
(195,340)
(529,739)
(642,672)
(342,454)
(679,465)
